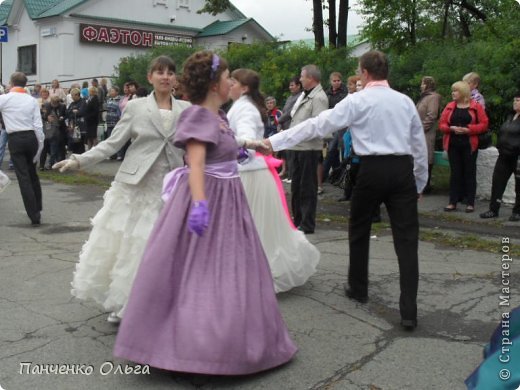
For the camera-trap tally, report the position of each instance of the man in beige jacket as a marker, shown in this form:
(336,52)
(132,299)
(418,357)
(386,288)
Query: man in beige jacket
(304,165)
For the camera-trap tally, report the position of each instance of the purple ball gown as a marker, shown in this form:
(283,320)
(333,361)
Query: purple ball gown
(205,304)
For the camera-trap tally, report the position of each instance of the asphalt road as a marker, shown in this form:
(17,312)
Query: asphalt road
(342,345)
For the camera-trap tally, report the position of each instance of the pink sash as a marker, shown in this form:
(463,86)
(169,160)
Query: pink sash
(273,163)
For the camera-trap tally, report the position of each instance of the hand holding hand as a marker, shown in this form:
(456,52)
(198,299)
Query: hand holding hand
(198,220)
(256,144)
(66,165)
(268,148)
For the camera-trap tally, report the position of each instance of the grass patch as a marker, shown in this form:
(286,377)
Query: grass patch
(441,178)
(446,217)
(76,178)
(334,218)
(464,242)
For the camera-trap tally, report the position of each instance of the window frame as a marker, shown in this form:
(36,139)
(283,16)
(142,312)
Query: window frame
(33,66)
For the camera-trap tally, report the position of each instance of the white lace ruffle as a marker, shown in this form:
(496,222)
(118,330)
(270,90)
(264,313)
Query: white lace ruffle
(111,256)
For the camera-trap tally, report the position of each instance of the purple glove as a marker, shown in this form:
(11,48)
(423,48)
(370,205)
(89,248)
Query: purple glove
(198,220)
(242,155)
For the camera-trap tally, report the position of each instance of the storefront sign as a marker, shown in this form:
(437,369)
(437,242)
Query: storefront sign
(129,37)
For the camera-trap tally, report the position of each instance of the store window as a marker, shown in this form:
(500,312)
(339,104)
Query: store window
(27,59)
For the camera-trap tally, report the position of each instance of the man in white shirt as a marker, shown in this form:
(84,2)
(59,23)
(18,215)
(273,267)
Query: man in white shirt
(23,123)
(388,136)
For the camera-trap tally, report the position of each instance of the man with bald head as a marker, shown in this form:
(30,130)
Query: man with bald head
(306,154)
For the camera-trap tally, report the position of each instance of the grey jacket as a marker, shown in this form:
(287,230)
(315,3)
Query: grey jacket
(285,119)
(141,122)
(310,106)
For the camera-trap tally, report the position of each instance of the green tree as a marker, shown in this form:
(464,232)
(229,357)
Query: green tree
(214,7)
(275,62)
(337,36)
(136,67)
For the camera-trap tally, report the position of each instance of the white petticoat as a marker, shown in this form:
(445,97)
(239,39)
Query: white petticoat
(110,258)
(292,258)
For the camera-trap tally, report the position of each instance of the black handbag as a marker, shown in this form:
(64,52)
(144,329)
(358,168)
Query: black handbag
(484,140)
(342,179)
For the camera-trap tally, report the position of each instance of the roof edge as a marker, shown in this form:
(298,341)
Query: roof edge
(42,14)
(136,22)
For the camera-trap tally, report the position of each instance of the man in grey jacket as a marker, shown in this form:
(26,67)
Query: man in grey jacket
(305,155)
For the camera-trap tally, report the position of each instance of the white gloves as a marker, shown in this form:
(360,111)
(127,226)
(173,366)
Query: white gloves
(66,165)
(256,144)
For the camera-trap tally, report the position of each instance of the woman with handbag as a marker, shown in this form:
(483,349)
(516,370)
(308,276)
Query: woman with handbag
(461,122)
(76,123)
(109,259)
(508,146)
(92,117)
(53,118)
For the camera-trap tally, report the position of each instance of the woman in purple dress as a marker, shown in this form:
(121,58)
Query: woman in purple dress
(203,299)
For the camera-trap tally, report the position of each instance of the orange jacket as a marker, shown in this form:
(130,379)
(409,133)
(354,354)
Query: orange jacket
(479,123)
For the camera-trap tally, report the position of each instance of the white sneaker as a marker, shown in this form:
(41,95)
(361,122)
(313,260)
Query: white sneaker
(113,318)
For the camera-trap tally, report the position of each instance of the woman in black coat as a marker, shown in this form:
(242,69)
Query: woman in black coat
(508,146)
(75,118)
(53,117)
(92,117)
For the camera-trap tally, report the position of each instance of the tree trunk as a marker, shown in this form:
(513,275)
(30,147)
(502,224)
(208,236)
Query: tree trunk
(342,23)
(413,23)
(447,5)
(473,10)
(317,24)
(333,36)
(464,24)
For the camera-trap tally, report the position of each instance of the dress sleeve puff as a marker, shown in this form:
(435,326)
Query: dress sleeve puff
(197,123)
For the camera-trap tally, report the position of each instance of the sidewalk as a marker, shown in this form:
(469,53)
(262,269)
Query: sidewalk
(342,345)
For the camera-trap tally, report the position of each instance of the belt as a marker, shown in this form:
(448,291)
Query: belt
(19,132)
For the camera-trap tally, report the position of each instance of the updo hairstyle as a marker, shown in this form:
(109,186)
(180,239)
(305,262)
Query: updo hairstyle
(201,71)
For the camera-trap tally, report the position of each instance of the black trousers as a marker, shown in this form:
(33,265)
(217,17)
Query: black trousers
(304,188)
(23,146)
(463,167)
(504,168)
(388,180)
(332,159)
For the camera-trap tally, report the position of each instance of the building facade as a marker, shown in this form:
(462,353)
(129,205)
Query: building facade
(76,40)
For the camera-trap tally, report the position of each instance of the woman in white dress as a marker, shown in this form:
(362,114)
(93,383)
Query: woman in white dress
(109,259)
(292,258)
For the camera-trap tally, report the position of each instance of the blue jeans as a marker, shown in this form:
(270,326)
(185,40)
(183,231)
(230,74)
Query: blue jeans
(3,144)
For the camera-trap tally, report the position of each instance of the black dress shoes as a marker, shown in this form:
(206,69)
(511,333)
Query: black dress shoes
(489,214)
(514,217)
(409,325)
(305,231)
(36,220)
(352,295)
